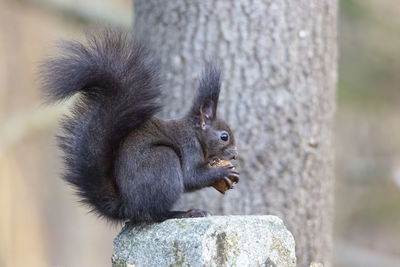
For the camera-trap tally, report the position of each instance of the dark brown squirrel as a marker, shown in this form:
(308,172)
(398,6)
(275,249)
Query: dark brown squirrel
(123,161)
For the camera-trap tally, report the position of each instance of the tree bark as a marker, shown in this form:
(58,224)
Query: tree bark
(278,94)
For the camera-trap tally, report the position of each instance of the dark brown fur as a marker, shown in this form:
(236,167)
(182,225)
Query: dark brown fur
(124,162)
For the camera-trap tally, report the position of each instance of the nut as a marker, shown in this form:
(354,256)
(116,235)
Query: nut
(221,185)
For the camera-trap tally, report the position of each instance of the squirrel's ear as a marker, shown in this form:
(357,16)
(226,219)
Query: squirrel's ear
(206,100)
(207,114)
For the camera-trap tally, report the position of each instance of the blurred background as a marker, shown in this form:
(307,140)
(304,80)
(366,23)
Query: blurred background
(42,225)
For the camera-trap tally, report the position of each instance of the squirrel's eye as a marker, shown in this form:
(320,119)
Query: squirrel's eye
(224,136)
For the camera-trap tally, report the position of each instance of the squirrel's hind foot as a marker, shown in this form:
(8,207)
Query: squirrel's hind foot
(189,214)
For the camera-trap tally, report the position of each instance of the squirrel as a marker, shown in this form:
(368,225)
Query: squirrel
(123,161)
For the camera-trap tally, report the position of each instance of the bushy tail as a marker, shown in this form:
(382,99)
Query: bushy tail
(120,90)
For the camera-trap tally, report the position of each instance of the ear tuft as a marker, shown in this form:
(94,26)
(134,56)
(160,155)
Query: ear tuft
(206,100)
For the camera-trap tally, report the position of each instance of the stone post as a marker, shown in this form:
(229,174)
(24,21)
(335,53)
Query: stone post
(210,241)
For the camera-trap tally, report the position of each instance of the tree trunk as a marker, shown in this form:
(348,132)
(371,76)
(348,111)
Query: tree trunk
(279,71)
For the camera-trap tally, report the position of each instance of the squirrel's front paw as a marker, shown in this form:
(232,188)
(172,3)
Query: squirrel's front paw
(228,171)
(227,182)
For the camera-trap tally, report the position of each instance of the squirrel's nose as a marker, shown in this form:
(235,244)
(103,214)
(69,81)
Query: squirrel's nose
(235,154)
